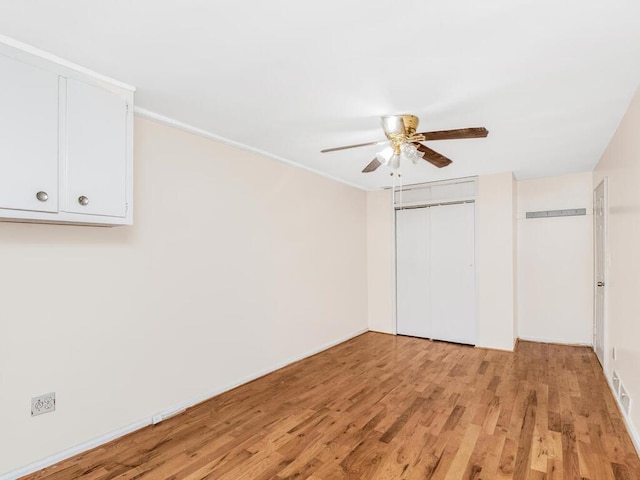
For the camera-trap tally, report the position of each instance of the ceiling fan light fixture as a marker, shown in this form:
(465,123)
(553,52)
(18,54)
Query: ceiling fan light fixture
(385,155)
(394,162)
(410,152)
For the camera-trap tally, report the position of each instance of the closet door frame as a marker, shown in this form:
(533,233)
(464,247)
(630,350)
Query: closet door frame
(465,198)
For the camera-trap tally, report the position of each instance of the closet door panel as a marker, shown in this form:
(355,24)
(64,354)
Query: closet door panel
(412,272)
(452,273)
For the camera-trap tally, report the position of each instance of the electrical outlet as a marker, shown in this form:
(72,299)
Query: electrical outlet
(43,404)
(616,382)
(613,353)
(625,401)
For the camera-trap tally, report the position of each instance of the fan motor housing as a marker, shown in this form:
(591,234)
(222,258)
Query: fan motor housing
(399,125)
(410,123)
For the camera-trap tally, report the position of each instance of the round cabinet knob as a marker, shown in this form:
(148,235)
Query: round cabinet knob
(42,196)
(83,200)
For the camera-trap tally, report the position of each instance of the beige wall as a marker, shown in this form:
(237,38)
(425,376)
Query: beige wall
(496,262)
(555,261)
(236,264)
(380,276)
(620,164)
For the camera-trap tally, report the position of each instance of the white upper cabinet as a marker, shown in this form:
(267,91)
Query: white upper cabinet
(96,151)
(66,142)
(28,137)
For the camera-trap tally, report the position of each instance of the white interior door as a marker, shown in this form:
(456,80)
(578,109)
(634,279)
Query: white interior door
(412,267)
(452,273)
(600,212)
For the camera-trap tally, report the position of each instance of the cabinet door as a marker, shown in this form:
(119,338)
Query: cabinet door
(28,137)
(96,151)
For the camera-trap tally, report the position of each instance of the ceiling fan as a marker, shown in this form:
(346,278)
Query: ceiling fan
(404,143)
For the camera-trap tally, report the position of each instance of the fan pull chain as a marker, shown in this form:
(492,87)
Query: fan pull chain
(394,189)
(393,192)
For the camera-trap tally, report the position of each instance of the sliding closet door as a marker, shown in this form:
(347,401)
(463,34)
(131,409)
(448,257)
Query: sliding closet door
(435,275)
(412,265)
(452,273)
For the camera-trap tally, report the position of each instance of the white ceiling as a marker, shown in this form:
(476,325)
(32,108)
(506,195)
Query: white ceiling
(550,79)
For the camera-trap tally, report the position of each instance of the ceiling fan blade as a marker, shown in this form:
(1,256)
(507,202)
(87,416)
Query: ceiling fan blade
(432,156)
(335,149)
(479,132)
(373,165)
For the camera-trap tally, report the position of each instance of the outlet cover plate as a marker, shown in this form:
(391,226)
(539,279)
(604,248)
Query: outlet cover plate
(616,383)
(625,401)
(43,404)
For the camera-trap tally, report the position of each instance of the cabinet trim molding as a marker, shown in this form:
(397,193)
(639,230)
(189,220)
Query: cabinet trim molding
(15,47)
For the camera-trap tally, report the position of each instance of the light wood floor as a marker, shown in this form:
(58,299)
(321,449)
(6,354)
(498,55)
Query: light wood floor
(385,407)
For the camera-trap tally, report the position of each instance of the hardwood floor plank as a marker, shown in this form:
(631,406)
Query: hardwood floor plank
(465,449)
(523,455)
(385,407)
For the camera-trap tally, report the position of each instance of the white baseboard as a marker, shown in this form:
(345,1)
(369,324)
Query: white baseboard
(379,330)
(107,437)
(549,340)
(627,421)
(70,452)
